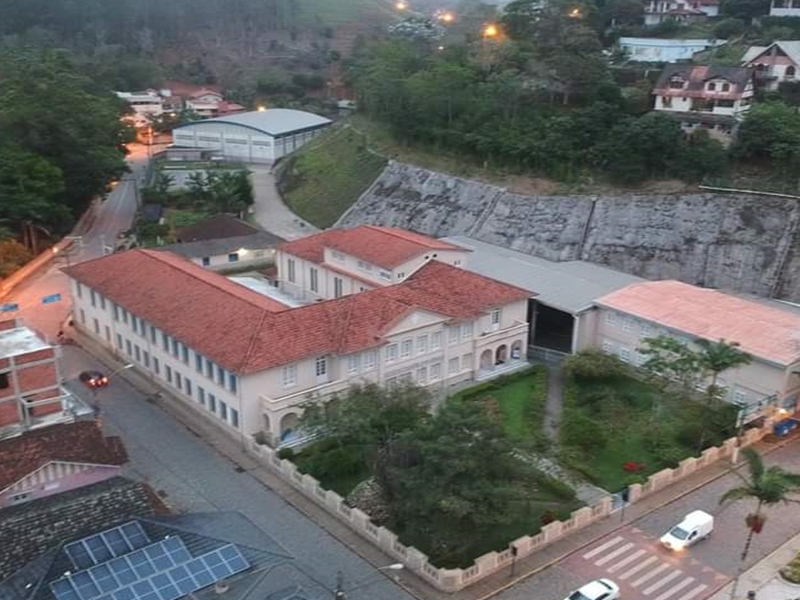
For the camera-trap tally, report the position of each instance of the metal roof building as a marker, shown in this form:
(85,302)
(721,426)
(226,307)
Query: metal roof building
(256,136)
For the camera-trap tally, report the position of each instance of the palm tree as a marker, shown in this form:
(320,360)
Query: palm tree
(716,357)
(767,486)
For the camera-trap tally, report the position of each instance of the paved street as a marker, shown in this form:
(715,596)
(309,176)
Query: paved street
(269,209)
(193,477)
(633,558)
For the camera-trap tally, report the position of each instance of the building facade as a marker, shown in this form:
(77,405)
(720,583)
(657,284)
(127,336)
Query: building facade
(250,362)
(713,98)
(784,8)
(774,64)
(661,50)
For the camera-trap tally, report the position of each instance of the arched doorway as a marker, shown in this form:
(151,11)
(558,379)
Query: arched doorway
(486,360)
(516,350)
(288,425)
(501,356)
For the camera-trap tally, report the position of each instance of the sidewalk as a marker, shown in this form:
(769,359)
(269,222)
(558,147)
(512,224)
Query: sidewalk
(763,577)
(233,449)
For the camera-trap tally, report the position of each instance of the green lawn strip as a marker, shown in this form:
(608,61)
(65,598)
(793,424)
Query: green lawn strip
(327,176)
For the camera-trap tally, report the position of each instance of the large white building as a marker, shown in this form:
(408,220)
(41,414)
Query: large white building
(641,49)
(256,136)
(250,361)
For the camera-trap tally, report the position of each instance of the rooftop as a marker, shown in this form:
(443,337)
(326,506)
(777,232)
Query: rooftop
(219,226)
(789,48)
(386,247)
(20,340)
(570,286)
(766,332)
(273,121)
(79,442)
(245,332)
(216,247)
(696,77)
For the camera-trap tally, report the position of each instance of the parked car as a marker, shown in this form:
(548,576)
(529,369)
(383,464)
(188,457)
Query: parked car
(93,379)
(696,526)
(599,589)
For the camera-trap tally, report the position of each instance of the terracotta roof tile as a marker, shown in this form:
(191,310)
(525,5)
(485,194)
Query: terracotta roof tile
(247,333)
(387,247)
(81,442)
(763,331)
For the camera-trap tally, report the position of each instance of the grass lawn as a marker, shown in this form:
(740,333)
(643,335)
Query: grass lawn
(521,399)
(607,423)
(325,177)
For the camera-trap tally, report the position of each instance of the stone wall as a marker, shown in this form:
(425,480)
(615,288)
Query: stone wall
(739,242)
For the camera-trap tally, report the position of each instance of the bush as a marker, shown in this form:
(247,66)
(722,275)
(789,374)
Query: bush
(594,364)
(791,572)
(728,28)
(580,431)
(333,464)
(286,453)
(557,487)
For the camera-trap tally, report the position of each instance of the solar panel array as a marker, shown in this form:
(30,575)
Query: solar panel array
(164,570)
(106,545)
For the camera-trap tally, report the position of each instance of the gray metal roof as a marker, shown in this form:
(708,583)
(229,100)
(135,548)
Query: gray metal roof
(570,286)
(273,121)
(202,248)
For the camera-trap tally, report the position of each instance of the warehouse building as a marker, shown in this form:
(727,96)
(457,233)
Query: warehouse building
(257,136)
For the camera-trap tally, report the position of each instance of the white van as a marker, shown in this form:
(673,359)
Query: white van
(696,526)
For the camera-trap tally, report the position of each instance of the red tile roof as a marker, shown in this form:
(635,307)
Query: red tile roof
(80,442)
(387,247)
(764,331)
(245,333)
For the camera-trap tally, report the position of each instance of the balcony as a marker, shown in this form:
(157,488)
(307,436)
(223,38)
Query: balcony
(318,392)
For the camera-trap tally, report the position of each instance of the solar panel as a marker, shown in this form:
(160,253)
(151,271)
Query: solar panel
(106,545)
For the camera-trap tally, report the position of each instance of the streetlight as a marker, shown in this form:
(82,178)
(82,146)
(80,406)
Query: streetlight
(447,17)
(575,13)
(340,594)
(122,368)
(490,31)
(401,5)
(261,108)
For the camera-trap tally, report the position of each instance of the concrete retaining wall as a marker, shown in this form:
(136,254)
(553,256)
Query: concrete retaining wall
(734,241)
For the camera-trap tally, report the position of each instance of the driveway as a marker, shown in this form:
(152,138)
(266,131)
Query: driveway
(269,210)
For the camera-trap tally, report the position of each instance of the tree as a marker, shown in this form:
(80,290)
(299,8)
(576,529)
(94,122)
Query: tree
(770,131)
(594,364)
(728,28)
(669,359)
(768,486)
(745,9)
(717,357)
(700,155)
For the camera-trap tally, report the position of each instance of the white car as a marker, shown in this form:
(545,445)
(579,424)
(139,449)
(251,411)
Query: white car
(599,589)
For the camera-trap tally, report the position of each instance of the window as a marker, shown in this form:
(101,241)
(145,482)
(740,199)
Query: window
(422,375)
(220,376)
(96,326)
(209,369)
(223,411)
(206,261)
(466,332)
(422,344)
(627,324)
(289,375)
(608,347)
(165,341)
(175,345)
(188,386)
(391,353)
(212,403)
(456,263)
(152,334)
(739,397)
(83,317)
(645,332)
(146,357)
(386,275)
(452,365)
(234,417)
(201,395)
(108,334)
(401,275)
(494,318)
(726,87)
(134,323)
(116,313)
(405,349)
(119,341)
(338,256)
(198,362)
(156,367)
(436,340)
(185,354)
(168,373)
(137,352)
(364,266)
(712,86)
(452,335)
(611,319)
(435,371)
(666,101)
(353,363)
(676,83)
(466,362)
(4,381)
(93,297)
(313,279)
(233,257)
(233,382)
(625,355)
(726,103)
(80,290)
(321,366)
(125,316)
(128,348)
(370,358)
(290,271)
(790,72)
(337,287)
(178,380)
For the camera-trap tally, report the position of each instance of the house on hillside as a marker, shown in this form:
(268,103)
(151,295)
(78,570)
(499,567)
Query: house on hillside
(774,64)
(249,361)
(682,11)
(784,8)
(57,459)
(767,330)
(664,50)
(714,98)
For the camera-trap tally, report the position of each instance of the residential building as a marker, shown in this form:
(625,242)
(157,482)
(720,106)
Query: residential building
(215,227)
(56,459)
(256,136)
(766,331)
(341,262)
(211,103)
(165,557)
(714,98)
(30,381)
(250,361)
(775,63)
(148,103)
(562,316)
(784,8)
(658,11)
(247,251)
(641,49)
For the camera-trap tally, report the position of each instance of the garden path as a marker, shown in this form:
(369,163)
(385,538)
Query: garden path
(552,414)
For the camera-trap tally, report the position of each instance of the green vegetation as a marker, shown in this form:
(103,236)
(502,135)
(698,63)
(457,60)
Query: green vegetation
(323,179)
(520,399)
(791,572)
(431,470)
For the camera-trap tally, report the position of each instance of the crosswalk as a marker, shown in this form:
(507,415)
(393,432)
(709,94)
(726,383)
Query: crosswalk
(642,565)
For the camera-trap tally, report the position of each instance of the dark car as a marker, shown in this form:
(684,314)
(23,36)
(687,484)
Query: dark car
(93,379)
